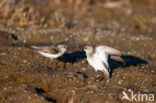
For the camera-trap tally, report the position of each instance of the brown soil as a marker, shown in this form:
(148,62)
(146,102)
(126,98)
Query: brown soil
(27,77)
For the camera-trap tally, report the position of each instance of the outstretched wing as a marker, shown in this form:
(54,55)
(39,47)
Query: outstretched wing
(115,54)
(46,49)
(108,50)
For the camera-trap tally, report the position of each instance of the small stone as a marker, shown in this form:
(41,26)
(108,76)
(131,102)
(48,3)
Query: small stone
(91,92)
(29,97)
(107,81)
(6,76)
(120,82)
(24,41)
(83,69)
(101,93)
(3,54)
(4,88)
(24,61)
(129,90)
(152,71)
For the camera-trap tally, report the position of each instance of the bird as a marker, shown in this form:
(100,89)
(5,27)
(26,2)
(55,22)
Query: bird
(52,51)
(97,57)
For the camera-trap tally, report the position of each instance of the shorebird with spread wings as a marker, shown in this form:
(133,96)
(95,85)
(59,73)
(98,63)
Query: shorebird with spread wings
(97,57)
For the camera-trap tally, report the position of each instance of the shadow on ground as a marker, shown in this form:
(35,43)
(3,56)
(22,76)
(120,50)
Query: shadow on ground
(73,57)
(80,55)
(42,93)
(129,61)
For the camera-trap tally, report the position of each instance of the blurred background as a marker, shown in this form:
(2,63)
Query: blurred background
(90,19)
(25,76)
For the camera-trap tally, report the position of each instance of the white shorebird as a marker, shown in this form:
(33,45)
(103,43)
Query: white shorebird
(52,51)
(97,57)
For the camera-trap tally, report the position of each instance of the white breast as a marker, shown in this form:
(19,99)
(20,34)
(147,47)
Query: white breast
(49,55)
(99,61)
(101,53)
(96,62)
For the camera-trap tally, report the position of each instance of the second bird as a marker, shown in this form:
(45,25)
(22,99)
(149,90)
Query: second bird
(52,51)
(97,57)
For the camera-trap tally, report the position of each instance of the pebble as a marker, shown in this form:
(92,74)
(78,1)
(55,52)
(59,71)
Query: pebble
(3,99)
(55,75)
(4,88)
(29,97)
(129,90)
(120,82)
(152,71)
(24,41)
(83,69)
(107,81)
(3,54)
(77,81)
(91,92)
(101,93)
(24,61)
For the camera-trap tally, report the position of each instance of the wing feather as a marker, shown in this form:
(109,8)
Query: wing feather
(46,49)
(117,58)
(108,50)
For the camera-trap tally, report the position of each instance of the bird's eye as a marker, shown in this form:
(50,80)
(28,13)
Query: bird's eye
(85,47)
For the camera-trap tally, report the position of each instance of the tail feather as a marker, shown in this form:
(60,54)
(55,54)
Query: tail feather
(117,58)
(36,48)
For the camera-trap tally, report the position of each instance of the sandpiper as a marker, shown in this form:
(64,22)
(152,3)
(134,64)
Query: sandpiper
(52,51)
(97,57)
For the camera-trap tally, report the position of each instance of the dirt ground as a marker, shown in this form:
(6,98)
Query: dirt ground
(27,77)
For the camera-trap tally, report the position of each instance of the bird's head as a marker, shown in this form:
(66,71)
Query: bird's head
(62,47)
(88,49)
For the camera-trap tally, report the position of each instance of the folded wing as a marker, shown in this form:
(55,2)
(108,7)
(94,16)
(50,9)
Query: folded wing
(46,49)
